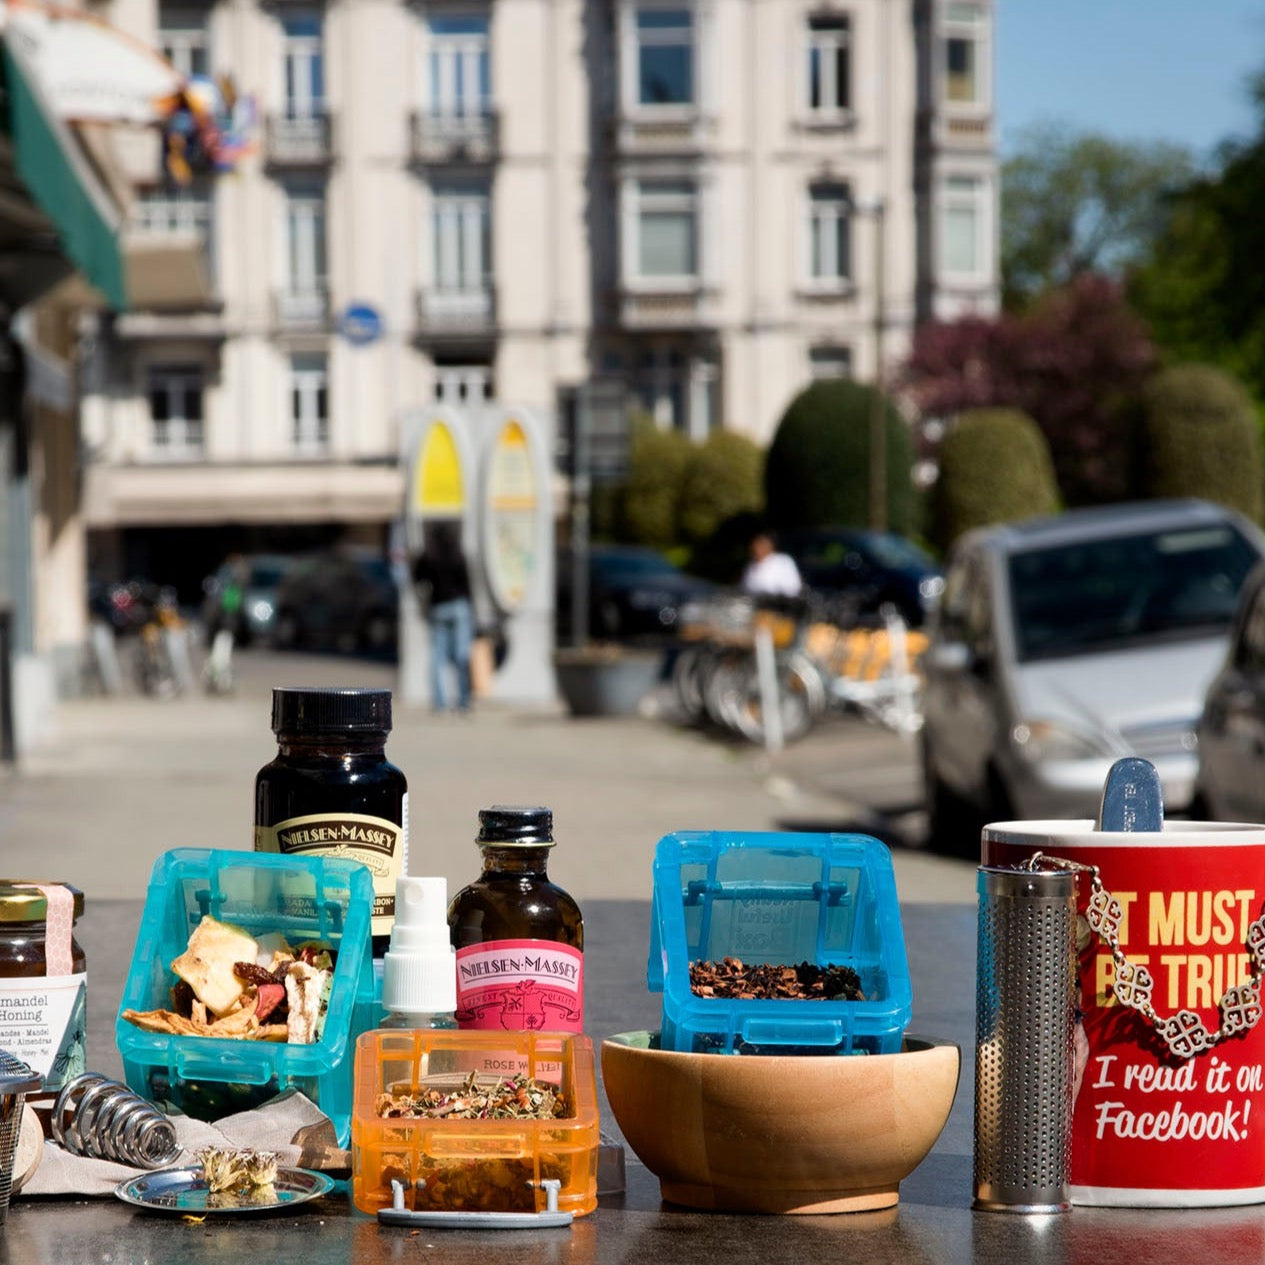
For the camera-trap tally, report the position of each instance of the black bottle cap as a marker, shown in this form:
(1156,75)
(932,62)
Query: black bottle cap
(320,709)
(503,823)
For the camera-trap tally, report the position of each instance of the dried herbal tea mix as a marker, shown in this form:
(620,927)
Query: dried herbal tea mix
(516,1098)
(238,1178)
(733,978)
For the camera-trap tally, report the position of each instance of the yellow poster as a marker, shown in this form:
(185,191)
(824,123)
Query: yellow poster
(438,487)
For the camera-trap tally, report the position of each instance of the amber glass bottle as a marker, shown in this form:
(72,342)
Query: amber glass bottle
(519,938)
(332,789)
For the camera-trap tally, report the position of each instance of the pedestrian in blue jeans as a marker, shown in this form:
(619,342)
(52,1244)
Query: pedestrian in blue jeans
(443,586)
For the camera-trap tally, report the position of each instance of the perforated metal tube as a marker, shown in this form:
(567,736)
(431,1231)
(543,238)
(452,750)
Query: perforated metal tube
(1025,1009)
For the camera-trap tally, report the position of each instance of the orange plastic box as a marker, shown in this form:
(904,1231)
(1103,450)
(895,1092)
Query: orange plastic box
(473,1165)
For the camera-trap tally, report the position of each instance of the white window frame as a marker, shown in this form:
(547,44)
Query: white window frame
(822,216)
(187,35)
(637,201)
(463,385)
(309,422)
(826,42)
(442,54)
(953,194)
(182,213)
(178,437)
(821,354)
(459,239)
(976,28)
(630,60)
(305,241)
(299,53)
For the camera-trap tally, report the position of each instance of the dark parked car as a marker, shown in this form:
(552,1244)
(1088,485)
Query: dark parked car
(253,612)
(633,593)
(1229,785)
(344,600)
(870,569)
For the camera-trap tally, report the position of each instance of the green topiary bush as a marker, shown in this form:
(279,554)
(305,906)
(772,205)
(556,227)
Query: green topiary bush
(724,477)
(817,470)
(995,467)
(1200,438)
(657,462)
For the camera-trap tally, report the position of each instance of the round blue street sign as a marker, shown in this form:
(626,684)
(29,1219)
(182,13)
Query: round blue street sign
(360,324)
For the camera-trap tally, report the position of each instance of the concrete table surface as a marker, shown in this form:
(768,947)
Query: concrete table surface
(932,1223)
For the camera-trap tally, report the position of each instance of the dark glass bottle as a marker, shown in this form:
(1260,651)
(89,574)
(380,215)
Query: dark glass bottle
(332,789)
(519,937)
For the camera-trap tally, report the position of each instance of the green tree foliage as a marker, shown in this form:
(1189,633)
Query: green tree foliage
(657,463)
(724,477)
(1203,289)
(1201,438)
(1080,202)
(995,467)
(817,470)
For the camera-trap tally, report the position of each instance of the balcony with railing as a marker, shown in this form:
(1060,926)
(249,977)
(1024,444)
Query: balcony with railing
(302,308)
(456,314)
(300,140)
(437,138)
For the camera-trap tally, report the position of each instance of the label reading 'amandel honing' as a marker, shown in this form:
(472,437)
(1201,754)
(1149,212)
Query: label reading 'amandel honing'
(379,844)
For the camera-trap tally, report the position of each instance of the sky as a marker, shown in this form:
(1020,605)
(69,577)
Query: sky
(1133,69)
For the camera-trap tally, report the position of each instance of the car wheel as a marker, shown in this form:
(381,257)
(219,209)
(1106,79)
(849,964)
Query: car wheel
(953,823)
(285,631)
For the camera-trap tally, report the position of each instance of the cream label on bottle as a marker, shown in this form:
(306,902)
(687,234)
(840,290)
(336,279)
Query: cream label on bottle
(43,1020)
(379,844)
(532,985)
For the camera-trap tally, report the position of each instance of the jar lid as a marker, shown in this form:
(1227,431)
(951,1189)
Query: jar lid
(22,901)
(504,823)
(314,709)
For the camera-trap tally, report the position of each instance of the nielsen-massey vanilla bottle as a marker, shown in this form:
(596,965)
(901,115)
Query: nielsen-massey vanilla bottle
(332,791)
(519,938)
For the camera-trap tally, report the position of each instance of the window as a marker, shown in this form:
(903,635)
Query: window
(309,404)
(175,409)
(679,388)
(666,230)
(965,55)
(303,63)
(664,56)
(184,41)
(459,67)
(305,244)
(458,384)
(963,247)
(461,237)
(829,362)
(829,244)
(829,84)
(179,213)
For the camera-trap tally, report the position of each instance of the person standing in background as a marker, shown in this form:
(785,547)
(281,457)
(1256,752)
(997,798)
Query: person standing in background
(443,588)
(770,573)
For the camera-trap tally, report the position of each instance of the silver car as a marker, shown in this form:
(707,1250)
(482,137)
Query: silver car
(1063,643)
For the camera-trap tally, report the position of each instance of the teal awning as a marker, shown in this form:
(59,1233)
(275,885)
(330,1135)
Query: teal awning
(61,182)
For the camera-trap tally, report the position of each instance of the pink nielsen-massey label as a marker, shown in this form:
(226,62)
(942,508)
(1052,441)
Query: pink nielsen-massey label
(521,985)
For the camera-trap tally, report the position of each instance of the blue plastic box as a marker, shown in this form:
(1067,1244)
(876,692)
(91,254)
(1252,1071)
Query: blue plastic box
(827,899)
(303,898)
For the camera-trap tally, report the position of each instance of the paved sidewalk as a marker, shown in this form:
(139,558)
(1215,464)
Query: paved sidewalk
(127,778)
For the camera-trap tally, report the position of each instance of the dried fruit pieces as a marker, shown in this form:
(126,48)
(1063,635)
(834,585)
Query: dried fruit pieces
(207,964)
(516,1098)
(732,978)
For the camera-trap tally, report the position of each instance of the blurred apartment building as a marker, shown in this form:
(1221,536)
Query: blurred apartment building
(462,201)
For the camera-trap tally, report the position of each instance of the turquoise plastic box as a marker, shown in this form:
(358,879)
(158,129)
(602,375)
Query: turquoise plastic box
(780,898)
(303,898)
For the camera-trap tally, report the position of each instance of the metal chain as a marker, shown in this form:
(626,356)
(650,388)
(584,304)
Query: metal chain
(1184,1032)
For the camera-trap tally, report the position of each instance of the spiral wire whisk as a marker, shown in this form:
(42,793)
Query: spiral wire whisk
(102,1118)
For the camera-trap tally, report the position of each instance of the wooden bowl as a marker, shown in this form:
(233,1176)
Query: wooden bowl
(802,1134)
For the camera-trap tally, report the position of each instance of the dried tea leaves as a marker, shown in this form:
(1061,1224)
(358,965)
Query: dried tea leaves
(516,1098)
(731,978)
(238,1178)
